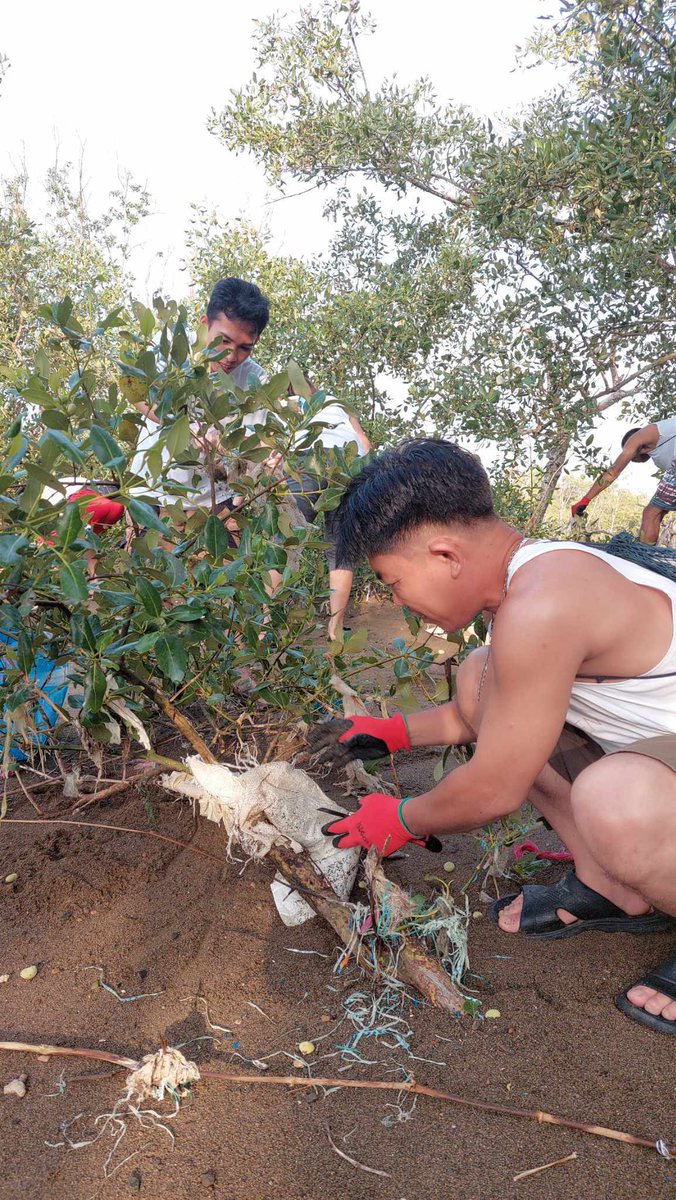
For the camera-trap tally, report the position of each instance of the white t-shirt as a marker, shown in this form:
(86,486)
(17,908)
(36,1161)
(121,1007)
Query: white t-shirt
(337,432)
(665,451)
(193,478)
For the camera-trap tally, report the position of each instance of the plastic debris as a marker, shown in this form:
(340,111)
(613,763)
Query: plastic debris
(16,1087)
(28,973)
(269,805)
(492,1013)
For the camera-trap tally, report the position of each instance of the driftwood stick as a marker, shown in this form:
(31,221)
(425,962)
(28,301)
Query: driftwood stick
(416,1089)
(415,965)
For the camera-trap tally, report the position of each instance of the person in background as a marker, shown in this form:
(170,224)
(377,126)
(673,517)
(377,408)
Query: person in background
(339,429)
(236,316)
(656,442)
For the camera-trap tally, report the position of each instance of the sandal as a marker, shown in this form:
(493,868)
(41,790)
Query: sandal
(593,911)
(662,979)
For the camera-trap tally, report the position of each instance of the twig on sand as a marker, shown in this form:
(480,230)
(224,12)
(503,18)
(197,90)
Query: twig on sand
(558,1162)
(120,785)
(417,1089)
(28,795)
(161,837)
(352,1161)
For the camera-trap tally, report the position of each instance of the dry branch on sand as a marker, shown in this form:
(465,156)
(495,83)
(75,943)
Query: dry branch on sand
(169,1071)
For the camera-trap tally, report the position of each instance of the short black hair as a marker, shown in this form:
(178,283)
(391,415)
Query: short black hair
(240,301)
(426,481)
(630,433)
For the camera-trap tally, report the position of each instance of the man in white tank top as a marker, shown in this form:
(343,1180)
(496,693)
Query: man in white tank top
(573,705)
(656,442)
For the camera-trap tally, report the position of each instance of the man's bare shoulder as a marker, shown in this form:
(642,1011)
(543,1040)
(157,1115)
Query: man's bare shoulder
(561,571)
(554,600)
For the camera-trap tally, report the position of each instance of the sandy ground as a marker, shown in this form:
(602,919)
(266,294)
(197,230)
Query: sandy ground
(161,919)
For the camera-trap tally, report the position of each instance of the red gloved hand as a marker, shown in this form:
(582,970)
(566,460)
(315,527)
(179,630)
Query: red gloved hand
(377,822)
(579,507)
(367,738)
(393,731)
(101,511)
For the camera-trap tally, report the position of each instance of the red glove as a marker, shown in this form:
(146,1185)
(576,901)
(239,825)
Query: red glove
(368,738)
(579,507)
(393,731)
(377,822)
(101,511)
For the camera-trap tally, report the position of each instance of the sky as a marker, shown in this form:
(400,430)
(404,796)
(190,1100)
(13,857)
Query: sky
(131,85)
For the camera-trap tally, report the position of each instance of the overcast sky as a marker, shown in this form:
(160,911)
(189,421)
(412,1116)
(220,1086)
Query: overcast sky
(132,85)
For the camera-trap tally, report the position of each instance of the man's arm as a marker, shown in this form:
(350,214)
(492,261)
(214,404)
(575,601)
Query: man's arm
(643,441)
(535,655)
(364,443)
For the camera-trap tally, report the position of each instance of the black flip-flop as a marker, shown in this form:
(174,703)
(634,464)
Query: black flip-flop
(662,979)
(593,911)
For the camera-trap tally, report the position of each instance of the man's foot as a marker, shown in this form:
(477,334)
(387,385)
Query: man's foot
(647,1004)
(509,918)
(569,907)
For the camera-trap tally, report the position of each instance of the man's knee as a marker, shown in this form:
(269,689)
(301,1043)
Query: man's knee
(467,684)
(605,800)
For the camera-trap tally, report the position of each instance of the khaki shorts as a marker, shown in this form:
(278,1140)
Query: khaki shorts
(576,750)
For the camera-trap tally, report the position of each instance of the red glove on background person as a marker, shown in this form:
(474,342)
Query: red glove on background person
(579,507)
(100,510)
(377,822)
(367,738)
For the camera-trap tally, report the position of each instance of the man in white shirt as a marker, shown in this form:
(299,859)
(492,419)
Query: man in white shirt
(237,314)
(656,442)
(338,429)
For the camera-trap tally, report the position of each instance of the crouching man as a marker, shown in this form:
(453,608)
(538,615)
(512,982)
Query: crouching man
(573,706)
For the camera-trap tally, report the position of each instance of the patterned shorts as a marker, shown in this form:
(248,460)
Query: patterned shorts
(665,496)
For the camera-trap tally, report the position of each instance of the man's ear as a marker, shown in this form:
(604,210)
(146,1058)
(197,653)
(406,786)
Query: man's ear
(446,548)
(204,320)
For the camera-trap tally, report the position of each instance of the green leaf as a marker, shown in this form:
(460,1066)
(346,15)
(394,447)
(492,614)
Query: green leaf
(106,449)
(34,471)
(146,642)
(67,448)
(150,597)
(69,525)
(356,641)
(25,652)
(143,514)
(73,582)
(298,381)
(11,547)
(82,631)
(180,347)
(215,538)
(178,436)
(94,689)
(15,451)
(171,658)
(145,318)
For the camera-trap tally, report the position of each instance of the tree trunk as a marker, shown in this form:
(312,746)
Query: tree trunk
(550,477)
